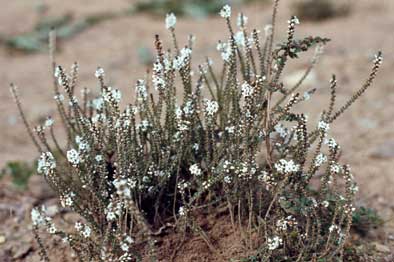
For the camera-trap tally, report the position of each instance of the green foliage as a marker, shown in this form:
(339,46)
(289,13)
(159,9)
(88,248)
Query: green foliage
(366,219)
(36,40)
(194,8)
(19,171)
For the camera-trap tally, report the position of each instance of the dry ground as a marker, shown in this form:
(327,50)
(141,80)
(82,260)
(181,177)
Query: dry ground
(366,132)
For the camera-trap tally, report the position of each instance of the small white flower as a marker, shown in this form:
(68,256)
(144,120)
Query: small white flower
(36,217)
(230,129)
(182,211)
(73,157)
(295,20)
(99,158)
(57,71)
(325,203)
(320,159)
(211,107)
(330,142)
(86,232)
(247,90)
(124,247)
(286,166)
(111,216)
(46,163)
(323,126)
(334,228)
(274,243)
(59,98)
(78,226)
(170,20)
(306,96)
(117,95)
(195,170)
(99,72)
(49,122)
(239,38)
(281,130)
(225,12)
(335,168)
(52,229)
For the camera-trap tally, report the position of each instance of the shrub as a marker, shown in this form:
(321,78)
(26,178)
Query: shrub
(317,10)
(158,162)
(19,171)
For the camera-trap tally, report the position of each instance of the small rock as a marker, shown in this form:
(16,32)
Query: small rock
(385,150)
(2,239)
(381,248)
(39,188)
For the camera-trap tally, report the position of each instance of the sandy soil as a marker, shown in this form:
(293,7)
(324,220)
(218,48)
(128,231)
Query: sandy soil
(366,132)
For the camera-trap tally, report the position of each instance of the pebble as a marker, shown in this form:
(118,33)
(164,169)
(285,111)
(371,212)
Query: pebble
(2,239)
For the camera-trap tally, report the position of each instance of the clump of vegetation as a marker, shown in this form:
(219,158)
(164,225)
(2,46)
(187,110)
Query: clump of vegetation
(19,171)
(365,219)
(195,8)
(36,39)
(317,10)
(195,139)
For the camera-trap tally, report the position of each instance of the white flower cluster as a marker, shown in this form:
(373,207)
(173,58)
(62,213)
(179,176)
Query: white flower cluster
(274,243)
(67,200)
(230,129)
(182,59)
(83,145)
(240,39)
(46,163)
(143,125)
(127,241)
(286,166)
(37,216)
(140,89)
(331,143)
(285,223)
(225,12)
(112,211)
(84,230)
(247,90)
(323,126)
(158,76)
(182,211)
(49,122)
(281,130)
(225,51)
(99,72)
(211,107)
(195,170)
(335,168)
(122,187)
(333,228)
(73,157)
(320,159)
(170,21)
(112,95)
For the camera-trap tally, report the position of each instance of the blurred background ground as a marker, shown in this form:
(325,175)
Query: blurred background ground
(121,44)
